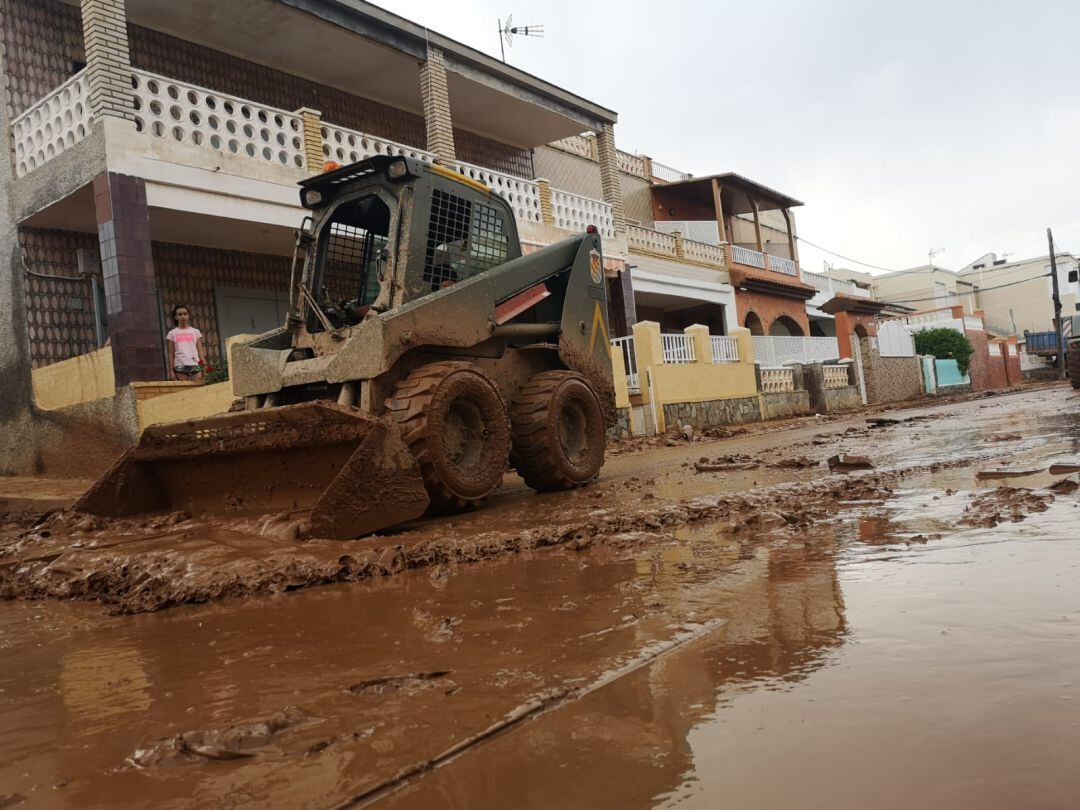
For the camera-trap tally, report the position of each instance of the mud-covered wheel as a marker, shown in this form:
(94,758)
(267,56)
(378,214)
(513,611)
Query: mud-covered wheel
(1073,364)
(454,423)
(558,431)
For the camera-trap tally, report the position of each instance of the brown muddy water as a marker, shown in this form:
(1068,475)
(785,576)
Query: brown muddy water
(917,645)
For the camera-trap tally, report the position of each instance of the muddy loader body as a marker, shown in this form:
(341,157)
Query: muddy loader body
(421,354)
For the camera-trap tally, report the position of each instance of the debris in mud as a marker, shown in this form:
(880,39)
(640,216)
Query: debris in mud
(848,463)
(1012,504)
(239,741)
(1065,486)
(11,800)
(882,421)
(1064,469)
(793,463)
(1007,473)
(1004,437)
(406,684)
(735,461)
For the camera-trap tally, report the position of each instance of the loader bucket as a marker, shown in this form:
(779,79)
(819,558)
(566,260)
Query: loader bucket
(352,472)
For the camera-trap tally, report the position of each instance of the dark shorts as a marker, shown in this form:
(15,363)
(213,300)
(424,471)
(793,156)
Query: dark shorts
(189,370)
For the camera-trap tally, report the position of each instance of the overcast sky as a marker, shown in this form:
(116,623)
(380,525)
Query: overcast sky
(902,126)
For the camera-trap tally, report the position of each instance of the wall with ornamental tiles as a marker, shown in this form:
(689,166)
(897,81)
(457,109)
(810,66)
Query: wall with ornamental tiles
(41,39)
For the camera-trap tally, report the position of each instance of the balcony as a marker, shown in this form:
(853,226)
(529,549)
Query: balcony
(192,117)
(829,288)
(673,246)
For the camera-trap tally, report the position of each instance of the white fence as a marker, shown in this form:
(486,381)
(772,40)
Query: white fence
(678,348)
(664,172)
(650,241)
(631,164)
(779,264)
(189,114)
(347,146)
(724,349)
(573,212)
(576,145)
(895,340)
(776,351)
(836,376)
(522,195)
(974,323)
(747,256)
(774,380)
(53,125)
(625,345)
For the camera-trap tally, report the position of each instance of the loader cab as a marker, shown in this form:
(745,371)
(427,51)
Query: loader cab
(391,230)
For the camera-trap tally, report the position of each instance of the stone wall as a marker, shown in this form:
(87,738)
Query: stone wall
(713,412)
(889,379)
(842,399)
(621,430)
(784,404)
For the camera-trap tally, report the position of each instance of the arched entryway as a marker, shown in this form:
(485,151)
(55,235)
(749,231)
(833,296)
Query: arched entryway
(784,327)
(860,331)
(816,330)
(753,323)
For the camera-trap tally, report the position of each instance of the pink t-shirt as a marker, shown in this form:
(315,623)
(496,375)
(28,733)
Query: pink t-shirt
(185,346)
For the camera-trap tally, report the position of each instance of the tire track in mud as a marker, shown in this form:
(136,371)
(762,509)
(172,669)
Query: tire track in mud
(52,560)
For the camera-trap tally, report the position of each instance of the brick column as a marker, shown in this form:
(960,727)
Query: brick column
(680,245)
(313,139)
(546,214)
(435,95)
(127,268)
(609,175)
(108,62)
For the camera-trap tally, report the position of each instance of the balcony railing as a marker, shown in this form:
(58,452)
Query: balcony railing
(647,240)
(836,376)
(748,257)
(831,286)
(625,346)
(777,380)
(778,264)
(724,349)
(678,348)
(53,125)
(184,113)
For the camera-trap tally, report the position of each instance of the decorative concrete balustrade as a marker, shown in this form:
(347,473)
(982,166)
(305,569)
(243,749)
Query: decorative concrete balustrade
(188,114)
(776,380)
(346,146)
(572,212)
(53,125)
(672,245)
(836,376)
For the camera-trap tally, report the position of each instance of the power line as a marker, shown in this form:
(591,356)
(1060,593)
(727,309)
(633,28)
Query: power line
(847,258)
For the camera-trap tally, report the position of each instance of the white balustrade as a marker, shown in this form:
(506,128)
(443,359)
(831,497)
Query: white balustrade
(724,349)
(573,212)
(52,125)
(347,146)
(747,256)
(664,172)
(650,241)
(995,349)
(930,316)
(189,114)
(631,164)
(819,282)
(974,323)
(776,351)
(625,345)
(576,145)
(704,253)
(836,376)
(777,380)
(678,348)
(779,264)
(522,195)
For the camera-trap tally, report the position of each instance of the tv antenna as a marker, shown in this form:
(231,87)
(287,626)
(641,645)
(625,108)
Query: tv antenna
(508,31)
(934,252)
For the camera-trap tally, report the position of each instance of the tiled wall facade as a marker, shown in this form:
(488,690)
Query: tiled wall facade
(41,39)
(889,379)
(59,309)
(188,275)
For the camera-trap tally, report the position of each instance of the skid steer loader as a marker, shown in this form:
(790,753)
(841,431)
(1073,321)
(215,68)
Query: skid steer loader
(422,352)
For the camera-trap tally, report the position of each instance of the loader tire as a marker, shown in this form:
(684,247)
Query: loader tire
(454,423)
(558,431)
(1073,366)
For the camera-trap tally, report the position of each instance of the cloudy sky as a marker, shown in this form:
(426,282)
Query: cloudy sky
(903,126)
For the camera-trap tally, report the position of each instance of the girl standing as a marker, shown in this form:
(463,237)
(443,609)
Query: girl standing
(187,355)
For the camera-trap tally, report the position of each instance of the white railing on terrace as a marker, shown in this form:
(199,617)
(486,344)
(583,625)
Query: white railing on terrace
(573,212)
(52,125)
(832,286)
(778,264)
(523,195)
(196,116)
(704,253)
(347,146)
(776,351)
(776,380)
(664,172)
(678,348)
(930,316)
(974,322)
(192,115)
(625,345)
(651,241)
(724,349)
(836,376)
(995,349)
(575,144)
(747,256)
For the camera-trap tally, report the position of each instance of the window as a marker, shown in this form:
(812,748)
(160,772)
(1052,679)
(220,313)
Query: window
(464,238)
(353,242)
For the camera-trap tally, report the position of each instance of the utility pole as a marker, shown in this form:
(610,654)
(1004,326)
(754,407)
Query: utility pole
(1060,357)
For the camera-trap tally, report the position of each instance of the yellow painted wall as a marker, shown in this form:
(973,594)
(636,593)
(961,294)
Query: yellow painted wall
(618,375)
(80,379)
(189,403)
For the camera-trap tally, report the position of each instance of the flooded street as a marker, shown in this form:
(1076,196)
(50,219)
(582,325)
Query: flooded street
(770,634)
